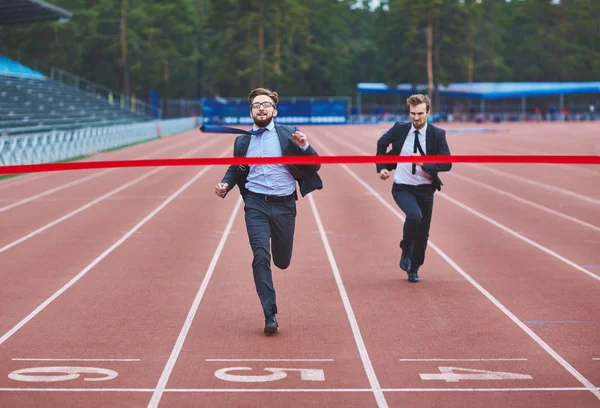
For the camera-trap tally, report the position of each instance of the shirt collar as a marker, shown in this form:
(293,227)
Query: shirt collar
(422,131)
(269,127)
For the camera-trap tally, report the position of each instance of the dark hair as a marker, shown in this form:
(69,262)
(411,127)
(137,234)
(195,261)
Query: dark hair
(263,91)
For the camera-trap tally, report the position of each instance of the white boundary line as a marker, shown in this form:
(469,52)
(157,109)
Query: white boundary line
(293,390)
(77,359)
(519,236)
(460,359)
(362,349)
(536,183)
(164,378)
(83,179)
(525,201)
(480,288)
(93,202)
(493,222)
(7,183)
(107,252)
(267,359)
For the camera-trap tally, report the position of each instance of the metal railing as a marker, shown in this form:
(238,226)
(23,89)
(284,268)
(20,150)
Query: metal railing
(57,146)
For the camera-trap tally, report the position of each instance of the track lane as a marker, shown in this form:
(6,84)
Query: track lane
(32,216)
(556,377)
(552,232)
(35,269)
(23,193)
(129,304)
(313,325)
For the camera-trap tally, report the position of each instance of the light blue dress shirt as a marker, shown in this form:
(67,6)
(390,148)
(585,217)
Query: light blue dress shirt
(271,179)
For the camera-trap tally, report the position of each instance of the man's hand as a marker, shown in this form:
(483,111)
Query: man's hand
(221,189)
(299,138)
(418,164)
(384,174)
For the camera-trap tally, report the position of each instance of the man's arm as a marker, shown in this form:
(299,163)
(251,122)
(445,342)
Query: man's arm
(443,150)
(305,149)
(230,175)
(382,145)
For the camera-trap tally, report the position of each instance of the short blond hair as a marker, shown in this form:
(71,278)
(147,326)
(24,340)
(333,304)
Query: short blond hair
(418,99)
(263,91)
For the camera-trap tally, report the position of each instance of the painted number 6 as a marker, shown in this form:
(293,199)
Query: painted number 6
(64,374)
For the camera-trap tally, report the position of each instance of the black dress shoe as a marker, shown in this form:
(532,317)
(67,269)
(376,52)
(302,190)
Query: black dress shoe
(413,276)
(271,325)
(405,262)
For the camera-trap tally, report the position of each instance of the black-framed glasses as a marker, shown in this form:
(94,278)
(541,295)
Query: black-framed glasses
(257,105)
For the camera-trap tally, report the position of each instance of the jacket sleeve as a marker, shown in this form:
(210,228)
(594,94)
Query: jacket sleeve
(443,150)
(230,176)
(310,151)
(309,168)
(382,145)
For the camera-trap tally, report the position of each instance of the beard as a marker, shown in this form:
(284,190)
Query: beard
(261,123)
(419,125)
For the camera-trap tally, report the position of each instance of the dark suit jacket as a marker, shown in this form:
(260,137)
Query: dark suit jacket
(435,145)
(305,174)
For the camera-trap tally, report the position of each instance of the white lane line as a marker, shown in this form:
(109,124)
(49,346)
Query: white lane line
(293,390)
(505,151)
(77,359)
(527,202)
(164,378)
(107,252)
(536,183)
(519,236)
(480,288)
(268,359)
(362,349)
(497,224)
(93,202)
(7,183)
(81,180)
(56,189)
(36,176)
(462,359)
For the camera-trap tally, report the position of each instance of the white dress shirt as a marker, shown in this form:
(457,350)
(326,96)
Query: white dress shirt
(403,174)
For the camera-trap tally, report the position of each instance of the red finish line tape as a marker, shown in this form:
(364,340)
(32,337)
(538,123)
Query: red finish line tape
(227,161)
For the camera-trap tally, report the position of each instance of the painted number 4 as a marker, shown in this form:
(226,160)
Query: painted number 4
(456,374)
(306,374)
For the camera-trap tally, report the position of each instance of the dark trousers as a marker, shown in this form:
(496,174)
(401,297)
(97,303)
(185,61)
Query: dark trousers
(417,204)
(270,226)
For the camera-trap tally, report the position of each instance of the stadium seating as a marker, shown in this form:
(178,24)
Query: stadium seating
(32,103)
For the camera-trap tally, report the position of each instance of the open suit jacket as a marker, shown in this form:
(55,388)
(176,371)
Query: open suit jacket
(305,174)
(435,145)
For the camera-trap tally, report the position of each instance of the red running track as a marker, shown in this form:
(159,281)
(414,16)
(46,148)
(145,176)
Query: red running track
(138,284)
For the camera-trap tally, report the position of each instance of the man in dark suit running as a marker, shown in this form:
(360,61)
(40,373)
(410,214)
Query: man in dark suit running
(269,193)
(414,183)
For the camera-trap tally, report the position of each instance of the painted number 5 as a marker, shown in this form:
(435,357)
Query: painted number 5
(64,374)
(306,374)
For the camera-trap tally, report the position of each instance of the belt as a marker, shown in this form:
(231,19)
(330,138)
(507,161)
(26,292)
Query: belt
(272,198)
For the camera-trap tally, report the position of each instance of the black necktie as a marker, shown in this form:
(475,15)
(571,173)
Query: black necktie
(227,129)
(416,145)
(258,132)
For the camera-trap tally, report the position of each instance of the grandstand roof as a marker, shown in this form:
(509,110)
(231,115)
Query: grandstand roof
(491,90)
(30,11)
(500,90)
(381,88)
